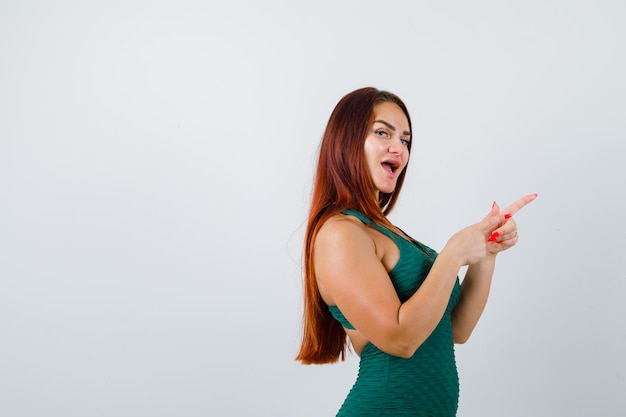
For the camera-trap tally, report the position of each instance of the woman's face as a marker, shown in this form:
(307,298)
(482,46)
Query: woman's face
(386,146)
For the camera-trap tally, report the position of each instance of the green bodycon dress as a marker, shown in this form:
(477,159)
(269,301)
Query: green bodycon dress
(426,384)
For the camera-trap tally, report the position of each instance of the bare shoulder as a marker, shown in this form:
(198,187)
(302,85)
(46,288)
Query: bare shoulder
(342,230)
(343,250)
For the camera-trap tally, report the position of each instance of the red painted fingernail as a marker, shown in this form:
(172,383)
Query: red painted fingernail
(493,237)
(493,205)
(508,216)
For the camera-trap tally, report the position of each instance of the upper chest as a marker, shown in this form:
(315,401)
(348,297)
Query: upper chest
(406,262)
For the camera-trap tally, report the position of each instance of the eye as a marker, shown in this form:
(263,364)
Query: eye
(405,142)
(382,133)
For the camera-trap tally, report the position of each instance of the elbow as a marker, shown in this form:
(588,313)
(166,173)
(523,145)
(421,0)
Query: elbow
(401,343)
(404,349)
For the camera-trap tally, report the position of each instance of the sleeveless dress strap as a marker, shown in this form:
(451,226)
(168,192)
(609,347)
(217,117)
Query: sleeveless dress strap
(367,221)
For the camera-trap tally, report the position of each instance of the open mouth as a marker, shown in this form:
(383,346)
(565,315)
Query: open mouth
(390,166)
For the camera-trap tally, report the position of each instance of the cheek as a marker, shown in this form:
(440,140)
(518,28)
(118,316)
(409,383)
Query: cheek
(370,153)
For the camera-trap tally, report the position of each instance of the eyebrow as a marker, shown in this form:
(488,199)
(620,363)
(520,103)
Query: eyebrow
(392,127)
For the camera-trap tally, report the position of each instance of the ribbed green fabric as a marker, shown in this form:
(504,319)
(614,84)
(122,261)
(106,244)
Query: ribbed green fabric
(426,384)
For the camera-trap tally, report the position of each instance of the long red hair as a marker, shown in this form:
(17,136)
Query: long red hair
(342,181)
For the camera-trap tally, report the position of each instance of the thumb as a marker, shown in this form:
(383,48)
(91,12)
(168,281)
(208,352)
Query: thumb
(495,210)
(492,221)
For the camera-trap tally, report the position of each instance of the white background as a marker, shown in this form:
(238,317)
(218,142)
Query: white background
(156,159)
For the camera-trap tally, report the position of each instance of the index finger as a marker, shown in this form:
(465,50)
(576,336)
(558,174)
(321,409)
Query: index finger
(517,206)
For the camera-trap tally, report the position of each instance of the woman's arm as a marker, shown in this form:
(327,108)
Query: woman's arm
(477,282)
(351,276)
(474,293)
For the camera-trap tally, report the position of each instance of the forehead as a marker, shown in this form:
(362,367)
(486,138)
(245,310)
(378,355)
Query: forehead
(391,113)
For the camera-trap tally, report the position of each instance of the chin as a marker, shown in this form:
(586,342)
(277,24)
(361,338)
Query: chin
(387,190)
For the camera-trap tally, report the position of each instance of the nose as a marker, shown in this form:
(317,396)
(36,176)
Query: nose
(396,147)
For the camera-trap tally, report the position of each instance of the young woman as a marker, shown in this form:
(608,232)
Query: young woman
(398,301)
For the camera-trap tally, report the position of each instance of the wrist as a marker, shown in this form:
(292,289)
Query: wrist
(488,262)
(452,258)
